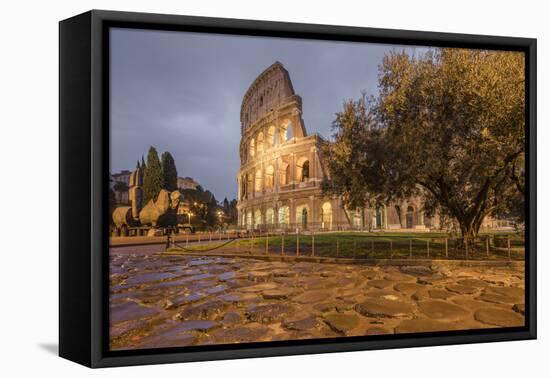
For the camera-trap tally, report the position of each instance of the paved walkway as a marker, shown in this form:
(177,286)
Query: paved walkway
(164,301)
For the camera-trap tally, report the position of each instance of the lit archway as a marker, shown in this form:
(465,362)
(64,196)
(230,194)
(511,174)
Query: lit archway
(258,181)
(260,143)
(284,216)
(271,136)
(257,218)
(326,216)
(284,174)
(249,220)
(286,132)
(269,171)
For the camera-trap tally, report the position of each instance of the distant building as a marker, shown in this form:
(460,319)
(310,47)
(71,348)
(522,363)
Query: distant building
(121,196)
(187,183)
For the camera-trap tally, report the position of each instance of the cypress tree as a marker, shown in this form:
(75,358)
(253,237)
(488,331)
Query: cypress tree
(142,162)
(169,172)
(152,176)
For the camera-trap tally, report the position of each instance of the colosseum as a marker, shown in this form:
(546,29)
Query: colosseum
(279,180)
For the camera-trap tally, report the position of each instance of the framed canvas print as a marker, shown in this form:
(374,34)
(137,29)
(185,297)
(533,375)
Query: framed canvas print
(234,188)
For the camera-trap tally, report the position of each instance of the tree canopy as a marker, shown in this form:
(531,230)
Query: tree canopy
(448,126)
(169,172)
(152,176)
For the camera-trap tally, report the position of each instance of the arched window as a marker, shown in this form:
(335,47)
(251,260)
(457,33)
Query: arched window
(326,216)
(271,136)
(243,186)
(305,171)
(252,149)
(284,174)
(260,143)
(284,216)
(287,175)
(249,183)
(288,131)
(269,171)
(302,170)
(258,181)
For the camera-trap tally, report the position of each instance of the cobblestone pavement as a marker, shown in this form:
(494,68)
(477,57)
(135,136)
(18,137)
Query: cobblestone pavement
(165,301)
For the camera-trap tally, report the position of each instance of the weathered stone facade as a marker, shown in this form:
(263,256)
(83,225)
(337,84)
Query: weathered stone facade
(281,169)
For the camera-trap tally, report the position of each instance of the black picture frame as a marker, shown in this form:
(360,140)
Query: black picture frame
(84,159)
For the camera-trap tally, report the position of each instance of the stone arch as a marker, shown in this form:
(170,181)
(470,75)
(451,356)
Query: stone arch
(286,131)
(326,215)
(284,173)
(356,218)
(260,143)
(243,186)
(284,216)
(249,183)
(378,217)
(269,176)
(258,181)
(257,218)
(271,138)
(409,218)
(302,169)
(249,219)
(302,215)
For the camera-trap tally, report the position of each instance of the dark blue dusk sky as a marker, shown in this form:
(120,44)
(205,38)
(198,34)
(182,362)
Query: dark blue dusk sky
(181,92)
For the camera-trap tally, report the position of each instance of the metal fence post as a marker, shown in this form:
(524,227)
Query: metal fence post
(446,247)
(487,245)
(391,249)
(199,238)
(337,246)
(267,244)
(410,249)
(282,244)
(210,237)
(428,247)
(509,251)
(251,244)
(312,243)
(297,244)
